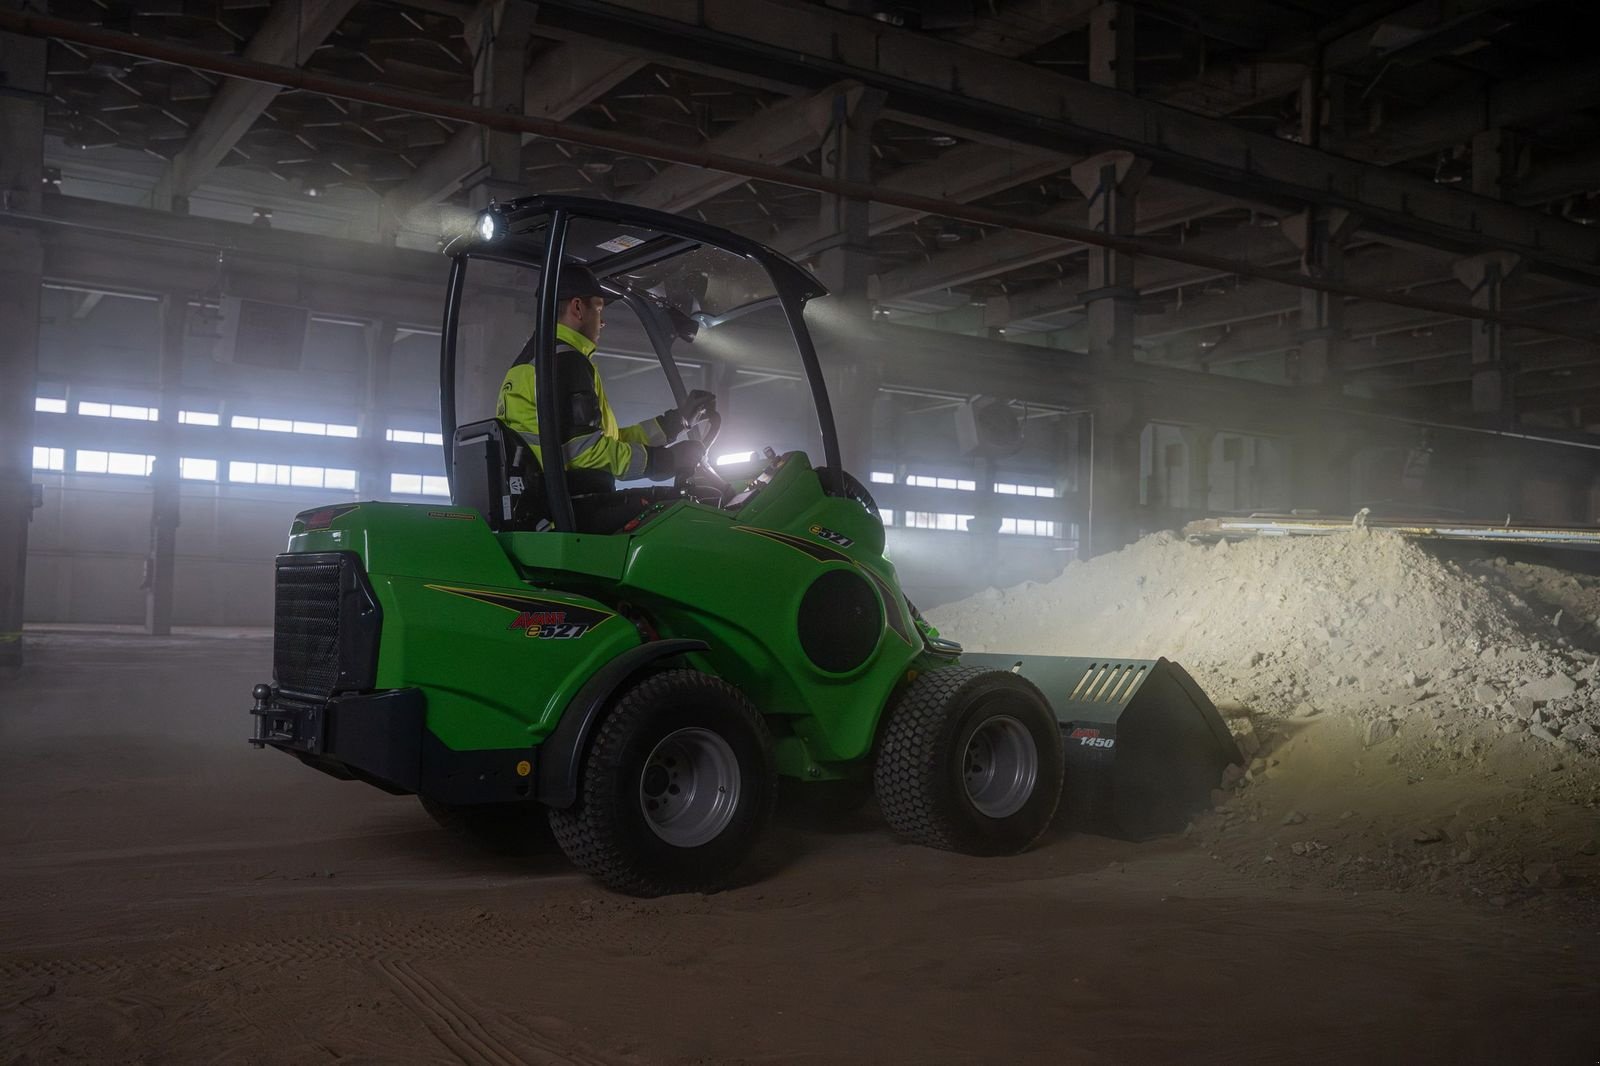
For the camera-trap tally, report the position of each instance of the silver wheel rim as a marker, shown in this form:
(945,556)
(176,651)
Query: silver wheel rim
(689,789)
(1000,766)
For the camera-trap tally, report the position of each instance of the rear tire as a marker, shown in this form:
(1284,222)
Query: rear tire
(498,828)
(676,787)
(970,760)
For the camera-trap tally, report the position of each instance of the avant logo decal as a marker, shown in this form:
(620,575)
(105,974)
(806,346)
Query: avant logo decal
(548,625)
(831,537)
(536,618)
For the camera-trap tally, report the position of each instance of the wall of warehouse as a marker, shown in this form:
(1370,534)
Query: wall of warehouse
(956,524)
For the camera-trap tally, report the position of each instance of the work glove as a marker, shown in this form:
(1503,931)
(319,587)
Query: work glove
(676,419)
(674,461)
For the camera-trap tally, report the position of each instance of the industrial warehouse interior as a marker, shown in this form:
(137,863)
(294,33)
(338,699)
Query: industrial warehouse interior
(1076,536)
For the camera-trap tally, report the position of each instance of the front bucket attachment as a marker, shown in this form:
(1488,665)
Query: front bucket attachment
(1145,746)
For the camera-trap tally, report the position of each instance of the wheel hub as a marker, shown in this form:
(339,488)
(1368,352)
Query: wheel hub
(689,788)
(1000,766)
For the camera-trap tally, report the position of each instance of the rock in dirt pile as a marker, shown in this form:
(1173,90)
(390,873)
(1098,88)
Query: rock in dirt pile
(1406,720)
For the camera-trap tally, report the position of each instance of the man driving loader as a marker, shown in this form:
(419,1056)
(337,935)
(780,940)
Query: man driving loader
(594,449)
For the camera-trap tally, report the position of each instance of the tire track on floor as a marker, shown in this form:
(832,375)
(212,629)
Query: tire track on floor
(468,1031)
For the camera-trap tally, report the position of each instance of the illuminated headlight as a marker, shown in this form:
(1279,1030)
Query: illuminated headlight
(735,457)
(488,226)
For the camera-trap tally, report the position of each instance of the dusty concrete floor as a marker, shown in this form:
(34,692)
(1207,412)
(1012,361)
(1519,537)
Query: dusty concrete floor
(168,894)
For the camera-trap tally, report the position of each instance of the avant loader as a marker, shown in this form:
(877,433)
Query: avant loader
(643,667)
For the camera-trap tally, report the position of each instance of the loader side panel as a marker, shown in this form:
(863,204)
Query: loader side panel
(497,660)
(806,621)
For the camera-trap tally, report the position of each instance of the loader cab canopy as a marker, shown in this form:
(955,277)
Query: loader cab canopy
(689,306)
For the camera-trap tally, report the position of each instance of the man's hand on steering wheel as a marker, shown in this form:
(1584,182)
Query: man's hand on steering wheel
(676,461)
(697,406)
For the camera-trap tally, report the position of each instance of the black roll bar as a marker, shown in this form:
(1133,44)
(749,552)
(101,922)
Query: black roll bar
(447,367)
(544,375)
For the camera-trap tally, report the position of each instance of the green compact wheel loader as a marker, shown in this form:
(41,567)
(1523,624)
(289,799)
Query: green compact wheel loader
(641,668)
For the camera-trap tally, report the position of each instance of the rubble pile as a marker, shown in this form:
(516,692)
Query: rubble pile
(1364,624)
(1407,723)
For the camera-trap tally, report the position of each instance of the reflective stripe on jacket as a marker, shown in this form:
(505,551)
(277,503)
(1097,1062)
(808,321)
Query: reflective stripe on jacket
(591,437)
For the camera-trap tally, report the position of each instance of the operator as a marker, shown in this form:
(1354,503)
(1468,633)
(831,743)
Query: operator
(592,443)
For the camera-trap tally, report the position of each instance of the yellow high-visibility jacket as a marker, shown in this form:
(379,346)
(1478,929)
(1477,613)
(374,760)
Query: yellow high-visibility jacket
(590,436)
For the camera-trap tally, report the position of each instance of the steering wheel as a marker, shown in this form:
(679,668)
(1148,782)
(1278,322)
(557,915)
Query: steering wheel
(705,430)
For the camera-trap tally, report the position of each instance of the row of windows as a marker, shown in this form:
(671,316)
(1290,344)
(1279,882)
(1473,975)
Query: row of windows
(925,481)
(133,464)
(55,406)
(960,523)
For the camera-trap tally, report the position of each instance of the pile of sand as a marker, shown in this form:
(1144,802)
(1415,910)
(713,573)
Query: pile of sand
(1406,722)
(1364,624)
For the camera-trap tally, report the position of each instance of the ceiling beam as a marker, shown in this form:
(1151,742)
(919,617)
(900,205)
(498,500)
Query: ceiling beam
(1445,124)
(1261,246)
(1161,206)
(1229,87)
(288,35)
(781,133)
(1017,29)
(927,77)
(964,174)
(562,81)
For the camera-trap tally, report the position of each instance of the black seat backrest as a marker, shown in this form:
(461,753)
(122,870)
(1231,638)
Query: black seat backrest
(495,473)
(489,473)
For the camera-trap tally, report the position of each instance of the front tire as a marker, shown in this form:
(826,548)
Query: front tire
(677,785)
(970,760)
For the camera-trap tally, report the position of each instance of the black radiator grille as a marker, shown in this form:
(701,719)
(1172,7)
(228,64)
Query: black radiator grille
(325,625)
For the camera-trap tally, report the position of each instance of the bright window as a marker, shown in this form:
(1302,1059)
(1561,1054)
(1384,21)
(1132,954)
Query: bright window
(198,418)
(50,405)
(887,515)
(311,477)
(924,481)
(882,477)
(1029,527)
(119,410)
(293,425)
(418,485)
(197,469)
(956,523)
(1046,491)
(128,464)
(413,436)
(49,458)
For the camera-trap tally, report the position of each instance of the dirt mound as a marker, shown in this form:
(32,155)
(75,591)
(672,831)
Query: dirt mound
(1407,721)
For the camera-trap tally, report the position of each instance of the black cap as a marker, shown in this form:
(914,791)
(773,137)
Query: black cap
(577,281)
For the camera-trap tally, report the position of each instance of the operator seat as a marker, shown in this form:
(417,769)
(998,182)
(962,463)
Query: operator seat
(490,472)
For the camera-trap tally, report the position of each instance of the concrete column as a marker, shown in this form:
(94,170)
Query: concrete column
(500,32)
(1494,368)
(1113,475)
(1321,234)
(165,502)
(22,72)
(371,483)
(1111,46)
(1490,173)
(1197,441)
(1111,181)
(845,266)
